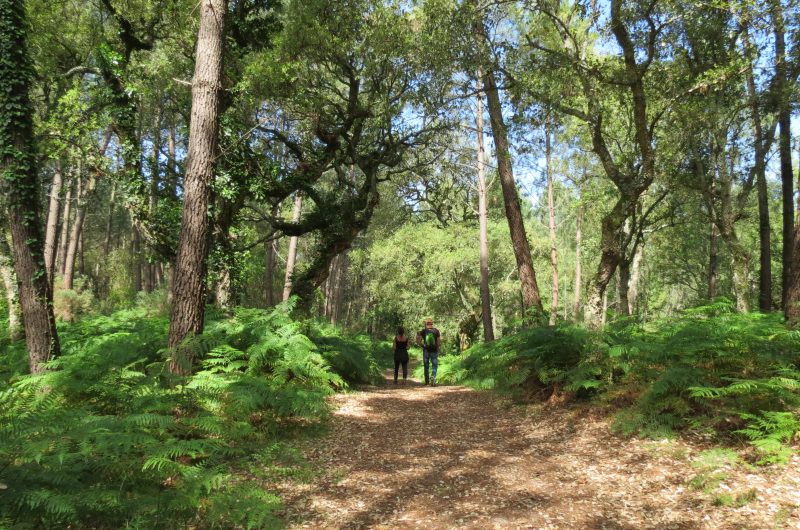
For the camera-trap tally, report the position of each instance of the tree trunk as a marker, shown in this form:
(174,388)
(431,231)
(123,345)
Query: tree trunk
(63,238)
(741,286)
(483,219)
(341,284)
(713,261)
(50,241)
(155,178)
(188,285)
(611,254)
(783,104)
(77,226)
(110,220)
(172,171)
(578,272)
(11,289)
(792,308)
(635,276)
(20,187)
(292,254)
(136,254)
(551,209)
(532,303)
(269,272)
(623,287)
(764,231)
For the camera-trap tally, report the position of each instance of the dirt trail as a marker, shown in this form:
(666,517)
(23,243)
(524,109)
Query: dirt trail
(449,457)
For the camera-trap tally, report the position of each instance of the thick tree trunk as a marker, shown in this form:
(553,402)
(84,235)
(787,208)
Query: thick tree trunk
(741,286)
(783,104)
(51,231)
(612,253)
(576,303)
(63,238)
(551,209)
(341,284)
(291,256)
(20,187)
(188,285)
(483,219)
(532,303)
(636,274)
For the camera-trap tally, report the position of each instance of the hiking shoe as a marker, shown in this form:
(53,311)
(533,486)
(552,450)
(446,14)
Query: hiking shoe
(433,381)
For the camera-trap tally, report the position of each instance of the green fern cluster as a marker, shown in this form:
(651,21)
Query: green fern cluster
(564,356)
(108,438)
(710,368)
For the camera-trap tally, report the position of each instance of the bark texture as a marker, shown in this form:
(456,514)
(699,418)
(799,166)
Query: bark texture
(551,210)
(20,187)
(783,106)
(483,220)
(15,331)
(291,256)
(51,231)
(531,300)
(576,303)
(188,283)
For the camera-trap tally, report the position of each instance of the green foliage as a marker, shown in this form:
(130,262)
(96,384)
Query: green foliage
(707,369)
(107,438)
(770,432)
(541,358)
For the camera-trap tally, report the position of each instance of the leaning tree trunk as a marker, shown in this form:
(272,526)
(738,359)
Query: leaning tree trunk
(52,222)
(291,256)
(20,187)
(531,300)
(483,219)
(189,277)
(612,254)
(551,209)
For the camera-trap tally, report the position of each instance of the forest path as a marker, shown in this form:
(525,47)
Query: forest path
(450,457)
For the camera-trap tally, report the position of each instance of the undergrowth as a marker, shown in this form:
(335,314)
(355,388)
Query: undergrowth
(108,438)
(711,369)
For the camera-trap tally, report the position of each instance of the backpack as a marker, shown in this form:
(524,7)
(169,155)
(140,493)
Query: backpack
(429,340)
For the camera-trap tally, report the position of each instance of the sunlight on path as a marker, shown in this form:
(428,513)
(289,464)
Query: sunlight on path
(448,457)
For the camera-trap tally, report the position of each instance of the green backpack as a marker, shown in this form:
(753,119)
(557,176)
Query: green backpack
(429,340)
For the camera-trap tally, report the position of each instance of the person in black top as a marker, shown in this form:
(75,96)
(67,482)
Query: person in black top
(431,341)
(400,353)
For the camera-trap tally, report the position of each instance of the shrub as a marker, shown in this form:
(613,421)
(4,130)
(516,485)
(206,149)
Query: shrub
(107,438)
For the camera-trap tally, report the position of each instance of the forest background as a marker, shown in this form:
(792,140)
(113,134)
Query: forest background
(217,207)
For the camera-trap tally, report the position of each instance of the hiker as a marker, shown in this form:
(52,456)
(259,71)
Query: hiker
(401,353)
(430,339)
